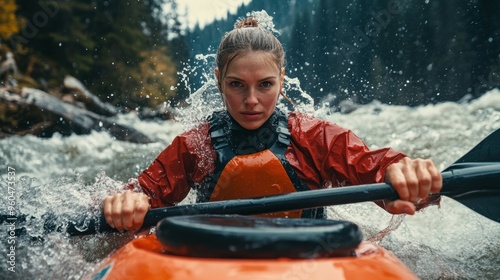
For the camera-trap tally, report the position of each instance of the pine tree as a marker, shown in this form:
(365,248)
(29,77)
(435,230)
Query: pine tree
(120,50)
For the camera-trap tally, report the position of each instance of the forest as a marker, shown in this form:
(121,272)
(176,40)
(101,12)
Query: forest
(122,55)
(129,53)
(406,52)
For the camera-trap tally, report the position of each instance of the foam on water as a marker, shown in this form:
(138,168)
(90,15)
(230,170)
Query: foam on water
(69,176)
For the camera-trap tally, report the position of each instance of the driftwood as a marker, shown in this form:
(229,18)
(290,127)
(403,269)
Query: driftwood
(74,110)
(76,119)
(92,102)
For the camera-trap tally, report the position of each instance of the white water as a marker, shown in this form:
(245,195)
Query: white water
(71,175)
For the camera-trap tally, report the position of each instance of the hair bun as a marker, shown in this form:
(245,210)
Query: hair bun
(247,22)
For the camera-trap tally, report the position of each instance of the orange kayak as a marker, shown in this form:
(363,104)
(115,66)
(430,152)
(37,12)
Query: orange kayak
(212,247)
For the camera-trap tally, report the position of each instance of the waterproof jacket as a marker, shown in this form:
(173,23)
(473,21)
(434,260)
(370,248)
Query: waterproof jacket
(321,153)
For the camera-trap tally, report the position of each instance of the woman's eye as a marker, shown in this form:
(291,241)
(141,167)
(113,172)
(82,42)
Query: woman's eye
(235,84)
(266,84)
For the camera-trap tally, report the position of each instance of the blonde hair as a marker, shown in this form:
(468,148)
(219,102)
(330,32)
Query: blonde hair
(248,36)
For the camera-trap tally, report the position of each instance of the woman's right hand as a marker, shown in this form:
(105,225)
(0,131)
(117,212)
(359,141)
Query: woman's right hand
(126,211)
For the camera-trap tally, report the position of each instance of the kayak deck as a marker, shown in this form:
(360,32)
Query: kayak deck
(144,258)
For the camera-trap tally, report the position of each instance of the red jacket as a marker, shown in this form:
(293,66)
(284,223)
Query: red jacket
(323,154)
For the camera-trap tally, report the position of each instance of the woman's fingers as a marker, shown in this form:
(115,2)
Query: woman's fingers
(108,204)
(429,177)
(396,174)
(116,212)
(437,179)
(414,180)
(142,207)
(424,178)
(126,211)
(400,207)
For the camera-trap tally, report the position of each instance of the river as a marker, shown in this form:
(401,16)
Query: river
(71,175)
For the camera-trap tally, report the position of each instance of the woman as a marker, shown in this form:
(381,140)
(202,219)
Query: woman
(253,149)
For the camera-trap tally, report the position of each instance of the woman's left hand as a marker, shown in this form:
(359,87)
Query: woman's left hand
(414,180)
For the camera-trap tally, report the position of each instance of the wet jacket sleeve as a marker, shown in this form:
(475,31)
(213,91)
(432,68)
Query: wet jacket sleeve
(324,153)
(168,180)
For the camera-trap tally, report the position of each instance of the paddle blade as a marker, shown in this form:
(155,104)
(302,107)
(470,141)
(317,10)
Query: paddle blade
(488,150)
(487,206)
(483,195)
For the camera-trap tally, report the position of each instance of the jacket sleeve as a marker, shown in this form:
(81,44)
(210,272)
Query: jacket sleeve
(326,152)
(168,180)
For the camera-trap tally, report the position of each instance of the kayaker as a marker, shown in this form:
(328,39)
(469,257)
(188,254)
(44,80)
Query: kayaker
(253,149)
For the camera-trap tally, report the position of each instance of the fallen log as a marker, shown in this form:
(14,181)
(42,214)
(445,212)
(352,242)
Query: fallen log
(92,102)
(79,120)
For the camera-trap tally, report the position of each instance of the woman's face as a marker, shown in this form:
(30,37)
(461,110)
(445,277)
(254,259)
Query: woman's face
(251,88)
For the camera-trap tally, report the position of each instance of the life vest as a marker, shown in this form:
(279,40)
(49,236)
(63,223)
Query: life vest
(251,169)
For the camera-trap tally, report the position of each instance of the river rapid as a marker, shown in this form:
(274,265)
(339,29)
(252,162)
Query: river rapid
(68,176)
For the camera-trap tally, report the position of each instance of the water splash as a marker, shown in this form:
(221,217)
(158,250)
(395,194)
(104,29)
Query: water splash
(44,208)
(394,224)
(300,100)
(264,19)
(203,100)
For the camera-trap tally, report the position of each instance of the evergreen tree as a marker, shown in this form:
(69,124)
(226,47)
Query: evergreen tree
(120,50)
(54,40)
(177,46)
(299,47)
(399,52)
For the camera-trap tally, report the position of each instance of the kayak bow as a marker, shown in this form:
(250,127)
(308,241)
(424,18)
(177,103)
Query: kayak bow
(240,247)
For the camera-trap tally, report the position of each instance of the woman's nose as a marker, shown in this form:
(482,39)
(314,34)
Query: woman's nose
(251,97)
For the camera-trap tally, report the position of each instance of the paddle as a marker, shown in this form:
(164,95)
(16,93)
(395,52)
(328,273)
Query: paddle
(487,203)
(473,180)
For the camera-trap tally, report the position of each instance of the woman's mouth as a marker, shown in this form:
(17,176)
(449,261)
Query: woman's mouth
(251,116)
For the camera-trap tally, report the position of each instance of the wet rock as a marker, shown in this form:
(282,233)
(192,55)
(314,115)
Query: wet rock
(44,114)
(161,112)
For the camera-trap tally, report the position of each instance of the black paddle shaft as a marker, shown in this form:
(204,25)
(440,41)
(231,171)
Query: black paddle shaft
(463,182)
(251,206)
